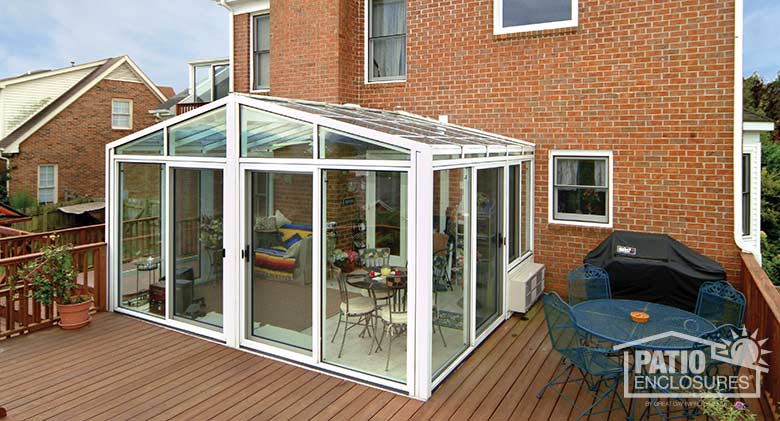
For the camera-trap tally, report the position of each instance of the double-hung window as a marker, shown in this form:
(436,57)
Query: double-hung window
(386,40)
(47,184)
(580,186)
(261,52)
(533,15)
(122,114)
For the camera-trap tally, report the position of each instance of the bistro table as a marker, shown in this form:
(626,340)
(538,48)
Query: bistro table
(380,288)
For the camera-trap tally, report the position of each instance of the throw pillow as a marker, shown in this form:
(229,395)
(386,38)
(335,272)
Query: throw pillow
(265,224)
(281,219)
(293,250)
(291,241)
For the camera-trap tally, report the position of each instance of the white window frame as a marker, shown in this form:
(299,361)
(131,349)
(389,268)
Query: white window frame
(55,186)
(252,52)
(551,186)
(499,28)
(754,151)
(366,49)
(130,115)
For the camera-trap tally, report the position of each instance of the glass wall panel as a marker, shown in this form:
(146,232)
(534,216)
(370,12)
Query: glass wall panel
(267,135)
(336,145)
(490,265)
(280,281)
(141,220)
(203,83)
(151,144)
(527,208)
(199,136)
(221,81)
(364,294)
(515,209)
(197,245)
(451,259)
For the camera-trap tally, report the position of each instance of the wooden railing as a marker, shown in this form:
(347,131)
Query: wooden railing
(30,243)
(21,313)
(762,312)
(188,106)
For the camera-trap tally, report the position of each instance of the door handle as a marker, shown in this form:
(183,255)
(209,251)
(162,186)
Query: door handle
(245,253)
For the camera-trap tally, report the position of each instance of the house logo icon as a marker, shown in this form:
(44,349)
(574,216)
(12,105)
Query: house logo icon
(728,363)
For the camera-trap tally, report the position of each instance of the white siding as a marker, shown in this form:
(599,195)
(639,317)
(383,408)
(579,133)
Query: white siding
(22,100)
(125,74)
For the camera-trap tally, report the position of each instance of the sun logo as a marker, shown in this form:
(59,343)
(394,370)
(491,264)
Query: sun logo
(744,349)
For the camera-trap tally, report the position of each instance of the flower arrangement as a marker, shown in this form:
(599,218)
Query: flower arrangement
(211,231)
(345,259)
(722,409)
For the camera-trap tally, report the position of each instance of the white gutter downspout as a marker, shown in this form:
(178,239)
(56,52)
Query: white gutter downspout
(738,33)
(224,4)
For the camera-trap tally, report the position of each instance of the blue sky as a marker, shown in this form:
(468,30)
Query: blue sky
(162,35)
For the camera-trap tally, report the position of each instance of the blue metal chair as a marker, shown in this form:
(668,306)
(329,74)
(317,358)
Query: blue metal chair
(588,282)
(591,362)
(721,304)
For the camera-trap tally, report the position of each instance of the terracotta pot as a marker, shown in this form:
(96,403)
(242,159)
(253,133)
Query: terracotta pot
(74,316)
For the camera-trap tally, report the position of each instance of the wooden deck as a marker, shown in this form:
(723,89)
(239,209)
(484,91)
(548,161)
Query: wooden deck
(123,368)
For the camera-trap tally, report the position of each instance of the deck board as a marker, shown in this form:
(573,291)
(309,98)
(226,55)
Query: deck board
(123,368)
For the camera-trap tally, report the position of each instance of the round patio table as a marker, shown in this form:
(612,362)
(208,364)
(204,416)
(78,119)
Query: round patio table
(610,319)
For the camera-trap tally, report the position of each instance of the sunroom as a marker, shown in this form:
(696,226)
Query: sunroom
(369,244)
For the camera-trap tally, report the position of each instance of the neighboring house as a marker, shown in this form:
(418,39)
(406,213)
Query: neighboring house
(54,124)
(752,127)
(209,81)
(645,97)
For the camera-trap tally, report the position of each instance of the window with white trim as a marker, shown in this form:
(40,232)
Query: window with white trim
(533,15)
(261,52)
(121,114)
(746,181)
(47,183)
(386,40)
(580,187)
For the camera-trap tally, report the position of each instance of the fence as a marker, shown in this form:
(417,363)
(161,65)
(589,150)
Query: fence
(21,313)
(762,312)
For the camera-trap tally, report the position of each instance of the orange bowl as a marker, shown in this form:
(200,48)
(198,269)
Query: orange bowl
(640,316)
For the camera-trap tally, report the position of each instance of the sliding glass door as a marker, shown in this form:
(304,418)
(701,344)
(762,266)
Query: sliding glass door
(489,253)
(197,247)
(279,269)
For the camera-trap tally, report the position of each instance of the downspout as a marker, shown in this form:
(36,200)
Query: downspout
(224,4)
(738,33)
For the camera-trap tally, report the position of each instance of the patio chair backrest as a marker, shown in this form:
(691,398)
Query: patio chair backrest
(563,330)
(396,303)
(720,303)
(343,291)
(375,257)
(588,282)
(439,271)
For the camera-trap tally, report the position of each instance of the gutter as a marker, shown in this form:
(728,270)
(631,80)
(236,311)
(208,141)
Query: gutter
(738,65)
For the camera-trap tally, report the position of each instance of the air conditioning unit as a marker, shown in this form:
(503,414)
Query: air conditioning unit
(526,285)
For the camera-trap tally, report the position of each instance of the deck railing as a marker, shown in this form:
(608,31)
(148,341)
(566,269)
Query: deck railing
(21,313)
(762,312)
(188,106)
(20,245)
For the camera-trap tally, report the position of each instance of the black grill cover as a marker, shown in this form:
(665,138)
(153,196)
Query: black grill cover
(655,268)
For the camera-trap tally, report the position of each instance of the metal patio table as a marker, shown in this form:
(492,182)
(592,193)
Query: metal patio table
(610,320)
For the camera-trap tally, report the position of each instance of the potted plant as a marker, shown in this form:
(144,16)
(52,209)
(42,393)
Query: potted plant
(722,409)
(52,277)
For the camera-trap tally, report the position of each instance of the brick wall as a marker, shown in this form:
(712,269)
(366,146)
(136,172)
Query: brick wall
(650,81)
(75,140)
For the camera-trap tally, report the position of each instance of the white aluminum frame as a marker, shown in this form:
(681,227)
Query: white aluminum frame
(419,169)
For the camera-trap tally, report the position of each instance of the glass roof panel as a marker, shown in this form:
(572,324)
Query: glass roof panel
(203,135)
(338,145)
(151,144)
(267,135)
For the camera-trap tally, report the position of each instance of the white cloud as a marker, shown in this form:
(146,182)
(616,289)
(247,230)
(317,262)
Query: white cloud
(161,36)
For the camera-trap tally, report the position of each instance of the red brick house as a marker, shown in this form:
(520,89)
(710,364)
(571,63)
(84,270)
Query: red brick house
(648,94)
(54,124)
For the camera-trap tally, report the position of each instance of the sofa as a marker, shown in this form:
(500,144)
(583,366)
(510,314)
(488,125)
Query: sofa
(288,258)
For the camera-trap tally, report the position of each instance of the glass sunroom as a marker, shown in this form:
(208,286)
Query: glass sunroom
(370,244)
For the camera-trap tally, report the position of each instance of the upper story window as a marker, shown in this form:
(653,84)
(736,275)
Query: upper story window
(261,52)
(386,40)
(533,15)
(580,186)
(121,114)
(210,81)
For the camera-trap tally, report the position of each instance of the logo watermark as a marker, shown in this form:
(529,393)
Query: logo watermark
(730,367)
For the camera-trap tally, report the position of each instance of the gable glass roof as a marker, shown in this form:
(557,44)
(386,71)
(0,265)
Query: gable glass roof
(272,127)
